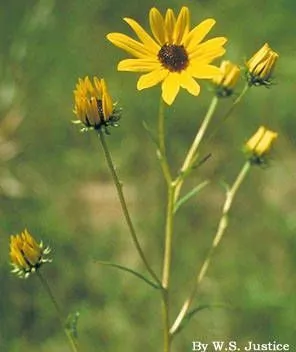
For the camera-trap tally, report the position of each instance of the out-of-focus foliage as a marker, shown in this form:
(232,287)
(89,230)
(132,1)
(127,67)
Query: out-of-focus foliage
(54,181)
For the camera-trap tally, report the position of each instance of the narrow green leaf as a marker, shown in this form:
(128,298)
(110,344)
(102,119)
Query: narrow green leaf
(191,314)
(190,194)
(71,324)
(131,271)
(150,133)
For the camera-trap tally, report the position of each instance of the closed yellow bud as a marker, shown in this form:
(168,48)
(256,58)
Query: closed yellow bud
(261,65)
(228,78)
(258,146)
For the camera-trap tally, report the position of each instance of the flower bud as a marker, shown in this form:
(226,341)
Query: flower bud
(26,254)
(227,80)
(261,65)
(259,145)
(93,104)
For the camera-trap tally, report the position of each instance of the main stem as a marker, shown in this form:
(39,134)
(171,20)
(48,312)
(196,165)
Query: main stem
(167,266)
(124,206)
(169,220)
(45,285)
(223,223)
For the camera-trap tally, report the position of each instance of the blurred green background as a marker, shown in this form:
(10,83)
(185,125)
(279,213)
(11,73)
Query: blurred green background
(54,181)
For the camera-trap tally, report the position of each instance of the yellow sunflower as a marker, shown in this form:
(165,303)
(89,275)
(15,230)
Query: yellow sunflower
(175,56)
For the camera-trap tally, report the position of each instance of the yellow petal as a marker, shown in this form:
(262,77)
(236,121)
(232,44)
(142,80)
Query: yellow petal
(197,34)
(138,65)
(170,22)
(157,25)
(106,100)
(170,88)
(209,50)
(151,79)
(143,35)
(130,45)
(187,82)
(203,71)
(182,26)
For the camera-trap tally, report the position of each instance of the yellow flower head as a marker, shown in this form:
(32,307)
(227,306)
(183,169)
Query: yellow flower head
(26,254)
(259,145)
(261,65)
(227,79)
(93,104)
(174,56)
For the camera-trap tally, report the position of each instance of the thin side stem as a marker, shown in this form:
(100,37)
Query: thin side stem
(72,342)
(229,111)
(236,101)
(190,157)
(124,207)
(223,223)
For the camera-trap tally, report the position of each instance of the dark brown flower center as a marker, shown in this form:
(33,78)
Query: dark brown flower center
(173,57)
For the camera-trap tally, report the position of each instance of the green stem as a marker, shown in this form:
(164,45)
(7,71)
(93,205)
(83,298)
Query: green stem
(167,265)
(124,206)
(72,342)
(168,237)
(161,144)
(223,223)
(236,101)
(166,321)
(190,157)
(229,112)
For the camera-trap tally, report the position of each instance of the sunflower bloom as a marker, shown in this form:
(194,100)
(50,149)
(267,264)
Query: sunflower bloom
(227,79)
(259,145)
(175,55)
(26,254)
(261,65)
(93,104)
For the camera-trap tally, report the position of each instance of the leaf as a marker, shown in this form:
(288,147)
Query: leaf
(71,324)
(124,268)
(190,194)
(191,314)
(150,133)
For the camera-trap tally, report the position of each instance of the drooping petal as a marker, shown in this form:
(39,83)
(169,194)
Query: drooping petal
(130,45)
(143,35)
(170,22)
(187,82)
(170,88)
(197,34)
(138,65)
(151,79)
(182,26)
(203,71)
(157,25)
